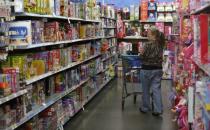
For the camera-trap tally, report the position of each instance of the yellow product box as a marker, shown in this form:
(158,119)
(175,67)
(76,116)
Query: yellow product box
(19,61)
(39,67)
(82,34)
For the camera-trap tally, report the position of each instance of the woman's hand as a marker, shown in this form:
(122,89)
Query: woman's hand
(141,51)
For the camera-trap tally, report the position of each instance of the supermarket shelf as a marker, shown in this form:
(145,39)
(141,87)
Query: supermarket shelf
(55,17)
(109,27)
(205,68)
(108,18)
(13,96)
(145,21)
(94,94)
(108,57)
(131,21)
(40,77)
(88,100)
(173,11)
(39,109)
(155,22)
(202,9)
(16,47)
(203,104)
(135,38)
(108,37)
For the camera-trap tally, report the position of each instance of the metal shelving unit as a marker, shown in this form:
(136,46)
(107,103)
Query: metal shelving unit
(54,98)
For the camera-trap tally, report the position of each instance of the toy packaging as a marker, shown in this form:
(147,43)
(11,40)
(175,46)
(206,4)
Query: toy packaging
(168,17)
(152,16)
(136,12)
(160,7)
(20,33)
(161,17)
(151,6)
(204,38)
(14,81)
(51,30)
(37,32)
(132,12)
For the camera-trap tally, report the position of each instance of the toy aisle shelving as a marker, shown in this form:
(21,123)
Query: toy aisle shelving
(76,79)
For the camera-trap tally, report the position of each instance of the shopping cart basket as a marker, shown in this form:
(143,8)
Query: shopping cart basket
(131,65)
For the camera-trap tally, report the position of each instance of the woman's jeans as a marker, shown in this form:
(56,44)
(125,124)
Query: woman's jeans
(151,79)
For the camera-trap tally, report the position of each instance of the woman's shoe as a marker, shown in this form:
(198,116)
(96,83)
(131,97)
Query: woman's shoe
(144,112)
(156,114)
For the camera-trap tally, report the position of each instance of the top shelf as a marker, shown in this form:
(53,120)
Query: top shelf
(145,21)
(108,18)
(55,17)
(203,9)
(135,38)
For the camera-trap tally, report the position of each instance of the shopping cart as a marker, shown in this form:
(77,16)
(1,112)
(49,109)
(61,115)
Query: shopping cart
(131,65)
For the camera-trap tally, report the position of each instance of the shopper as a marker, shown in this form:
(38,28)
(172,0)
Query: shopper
(151,55)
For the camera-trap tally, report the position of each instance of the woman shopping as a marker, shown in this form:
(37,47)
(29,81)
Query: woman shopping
(151,53)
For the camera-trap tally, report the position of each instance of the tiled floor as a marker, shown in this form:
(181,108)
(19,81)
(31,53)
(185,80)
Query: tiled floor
(104,113)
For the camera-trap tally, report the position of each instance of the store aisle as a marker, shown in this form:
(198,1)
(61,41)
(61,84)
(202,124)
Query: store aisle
(104,113)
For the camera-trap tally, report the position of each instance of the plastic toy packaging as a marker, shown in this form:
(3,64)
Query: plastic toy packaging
(161,17)
(160,26)
(184,6)
(160,7)
(151,6)
(168,7)
(152,16)
(168,18)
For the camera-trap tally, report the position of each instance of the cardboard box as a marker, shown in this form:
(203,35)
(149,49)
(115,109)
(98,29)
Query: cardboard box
(20,32)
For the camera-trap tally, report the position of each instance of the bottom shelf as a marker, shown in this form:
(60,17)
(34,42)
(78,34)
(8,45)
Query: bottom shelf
(87,101)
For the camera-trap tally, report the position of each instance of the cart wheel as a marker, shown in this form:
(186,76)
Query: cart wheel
(123,104)
(134,98)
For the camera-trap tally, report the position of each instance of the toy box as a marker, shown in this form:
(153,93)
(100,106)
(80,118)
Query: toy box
(20,33)
(160,7)
(14,82)
(37,32)
(204,38)
(51,30)
(57,6)
(160,26)
(152,16)
(19,61)
(161,17)
(132,12)
(151,6)
(168,17)
(136,13)
(5,85)
(144,15)
(144,5)
(54,60)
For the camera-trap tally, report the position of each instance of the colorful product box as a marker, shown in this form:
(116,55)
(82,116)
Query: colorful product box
(19,61)
(14,73)
(204,38)
(57,7)
(51,30)
(144,15)
(136,12)
(37,32)
(20,33)
(132,12)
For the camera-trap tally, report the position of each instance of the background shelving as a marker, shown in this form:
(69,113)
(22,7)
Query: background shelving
(77,59)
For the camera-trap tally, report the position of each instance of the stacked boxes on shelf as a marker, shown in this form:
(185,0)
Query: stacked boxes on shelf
(59,80)
(37,32)
(67,8)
